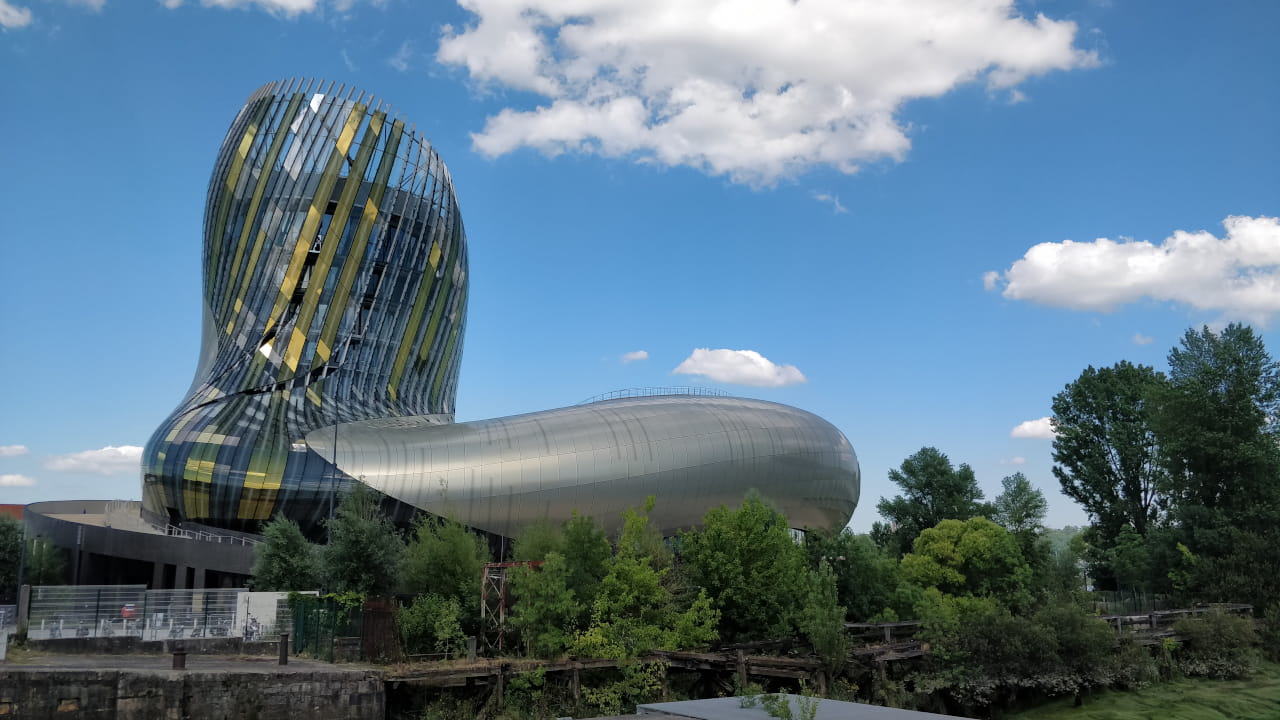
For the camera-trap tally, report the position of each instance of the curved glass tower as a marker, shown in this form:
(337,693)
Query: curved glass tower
(335,291)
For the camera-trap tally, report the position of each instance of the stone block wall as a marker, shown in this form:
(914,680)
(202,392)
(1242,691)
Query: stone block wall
(176,695)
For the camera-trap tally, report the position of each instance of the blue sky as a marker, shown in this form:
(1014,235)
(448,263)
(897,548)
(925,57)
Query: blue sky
(877,195)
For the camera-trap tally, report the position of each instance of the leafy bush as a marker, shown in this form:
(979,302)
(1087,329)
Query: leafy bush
(431,625)
(1217,645)
(1270,635)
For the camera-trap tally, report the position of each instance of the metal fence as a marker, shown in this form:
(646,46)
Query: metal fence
(8,616)
(133,611)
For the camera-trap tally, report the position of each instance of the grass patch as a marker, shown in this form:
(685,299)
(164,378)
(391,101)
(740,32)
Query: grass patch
(1257,698)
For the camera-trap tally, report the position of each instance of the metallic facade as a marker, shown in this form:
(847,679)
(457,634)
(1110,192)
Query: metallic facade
(335,291)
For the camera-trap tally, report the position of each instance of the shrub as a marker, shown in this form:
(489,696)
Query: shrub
(1270,635)
(1217,645)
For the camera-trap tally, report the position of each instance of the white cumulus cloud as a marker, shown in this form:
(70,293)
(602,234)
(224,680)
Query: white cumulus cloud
(634,355)
(1015,460)
(1140,339)
(16,481)
(12,450)
(110,460)
(754,89)
(739,367)
(1237,274)
(13,17)
(1040,429)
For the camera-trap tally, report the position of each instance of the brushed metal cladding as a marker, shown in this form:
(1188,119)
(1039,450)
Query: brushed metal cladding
(692,453)
(335,289)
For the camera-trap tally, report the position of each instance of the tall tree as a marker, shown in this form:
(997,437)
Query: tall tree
(10,557)
(1217,425)
(285,560)
(1105,451)
(365,550)
(748,562)
(1217,419)
(933,491)
(1021,507)
(445,558)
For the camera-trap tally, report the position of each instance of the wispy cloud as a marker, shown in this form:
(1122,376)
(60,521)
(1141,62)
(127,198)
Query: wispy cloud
(110,460)
(1015,460)
(16,481)
(833,201)
(739,367)
(400,60)
(13,17)
(1140,339)
(634,355)
(346,60)
(1237,274)
(1039,429)
(12,450)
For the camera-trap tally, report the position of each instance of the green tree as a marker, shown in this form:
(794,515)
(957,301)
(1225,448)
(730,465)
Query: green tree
(822,619)
(1216,421)
(10,557)
(746,559)
(46,563)
(932,491)
(1105,449)
(535,541)
(445,558)
(365,549)
(545,611)
(587,554)
(866,577)
(432,624)
(634,611)
(975,557)
(285,560)
(1021,507)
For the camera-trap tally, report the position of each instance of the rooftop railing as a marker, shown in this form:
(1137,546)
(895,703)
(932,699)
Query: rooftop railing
(655,392)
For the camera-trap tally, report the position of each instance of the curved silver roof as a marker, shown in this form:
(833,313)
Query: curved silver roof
(692,453)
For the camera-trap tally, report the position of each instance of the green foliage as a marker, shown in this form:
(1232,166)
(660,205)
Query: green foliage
(1105,449)
(536,540)
(866,578)
(933,491)
(822,620)
(546,609)
(1216,422)
(46,564)
(285,560)
(975,557)
(1217,645)
(431,625)
(587,554)
(749,564)
(634,612)
(1270,635)
(1253,699)
(1020,508)
(10,557)
(639,683)
(445,558)
(365,550)
(527,691)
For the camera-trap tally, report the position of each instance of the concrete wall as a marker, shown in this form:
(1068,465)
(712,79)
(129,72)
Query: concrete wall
(128,695)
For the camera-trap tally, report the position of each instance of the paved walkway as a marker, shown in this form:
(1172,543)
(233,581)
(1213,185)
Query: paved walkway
(157,663)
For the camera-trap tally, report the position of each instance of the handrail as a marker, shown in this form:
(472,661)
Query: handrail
(655,392)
